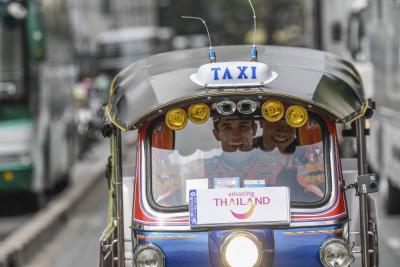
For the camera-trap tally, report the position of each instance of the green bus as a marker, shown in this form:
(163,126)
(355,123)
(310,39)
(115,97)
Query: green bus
(37,74)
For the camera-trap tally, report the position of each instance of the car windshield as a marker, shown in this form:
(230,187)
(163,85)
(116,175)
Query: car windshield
(11,60)
(233,152)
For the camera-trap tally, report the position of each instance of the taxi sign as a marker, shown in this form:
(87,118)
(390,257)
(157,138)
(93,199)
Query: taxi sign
(235,206)
(233,74)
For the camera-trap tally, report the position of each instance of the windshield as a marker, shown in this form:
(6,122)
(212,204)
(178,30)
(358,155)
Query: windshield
(11,60)
(233,152)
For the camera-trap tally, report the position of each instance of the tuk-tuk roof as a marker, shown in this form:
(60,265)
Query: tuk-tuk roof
(317,79)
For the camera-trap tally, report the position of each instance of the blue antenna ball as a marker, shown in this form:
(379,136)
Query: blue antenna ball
(254,54)
(211,55)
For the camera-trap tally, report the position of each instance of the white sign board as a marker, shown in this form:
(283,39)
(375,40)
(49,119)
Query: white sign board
(233,74)
(234,206)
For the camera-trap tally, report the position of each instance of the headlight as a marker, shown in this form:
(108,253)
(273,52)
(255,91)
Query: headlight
(335,253)
(148,255)
(241,249)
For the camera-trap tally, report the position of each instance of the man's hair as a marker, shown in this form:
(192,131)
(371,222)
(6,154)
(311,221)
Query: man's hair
(216,120)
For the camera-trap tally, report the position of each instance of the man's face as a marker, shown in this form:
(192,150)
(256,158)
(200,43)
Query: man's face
(235,134)
(277,134)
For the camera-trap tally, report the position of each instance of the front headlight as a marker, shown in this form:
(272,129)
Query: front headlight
(241,249)
(335,253)
(148,255)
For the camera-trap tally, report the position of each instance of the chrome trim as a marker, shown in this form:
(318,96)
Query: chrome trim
(143,202)
(346,231)
(182,228)
(334,184)
(253,106)
(220,107)
(119,199)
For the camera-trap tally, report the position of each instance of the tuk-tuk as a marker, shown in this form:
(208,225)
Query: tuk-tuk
(236,162)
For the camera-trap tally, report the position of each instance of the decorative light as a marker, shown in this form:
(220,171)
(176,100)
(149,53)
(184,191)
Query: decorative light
(225,107)
(199,113)
(272,110)
(296,116)
(246,106)
(176,119)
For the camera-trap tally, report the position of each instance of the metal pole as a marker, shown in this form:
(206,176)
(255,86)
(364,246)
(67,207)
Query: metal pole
(362,169)
(120,209)
(318,25)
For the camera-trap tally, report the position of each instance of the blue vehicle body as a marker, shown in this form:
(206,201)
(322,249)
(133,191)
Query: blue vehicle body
(282,247)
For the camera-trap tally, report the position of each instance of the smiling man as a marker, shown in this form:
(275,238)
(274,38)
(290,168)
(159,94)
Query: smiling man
(234,133)
(239,160)
(278,135)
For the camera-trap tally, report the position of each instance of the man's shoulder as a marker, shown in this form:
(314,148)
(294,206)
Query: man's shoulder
(212,163)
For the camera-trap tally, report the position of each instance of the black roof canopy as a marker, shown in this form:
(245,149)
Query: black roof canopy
(318,79)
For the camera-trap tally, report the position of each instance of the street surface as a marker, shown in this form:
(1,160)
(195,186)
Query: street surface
(77,244)
(389,238)
(86,167)
(9,224)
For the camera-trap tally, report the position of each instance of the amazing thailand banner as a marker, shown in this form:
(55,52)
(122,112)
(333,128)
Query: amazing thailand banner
(236,206)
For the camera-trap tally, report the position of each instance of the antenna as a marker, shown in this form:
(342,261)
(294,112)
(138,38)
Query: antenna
(254,49)
(211,53)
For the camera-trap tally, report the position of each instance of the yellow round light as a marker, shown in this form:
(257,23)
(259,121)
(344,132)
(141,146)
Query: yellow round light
(296,116)
(176,119)
(8,176)
(272,110)
(199,113)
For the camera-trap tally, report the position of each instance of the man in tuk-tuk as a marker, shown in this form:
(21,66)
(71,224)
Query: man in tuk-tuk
(275,158)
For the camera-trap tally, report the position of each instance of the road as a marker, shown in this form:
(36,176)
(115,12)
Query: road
(77,244)
(389,237)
